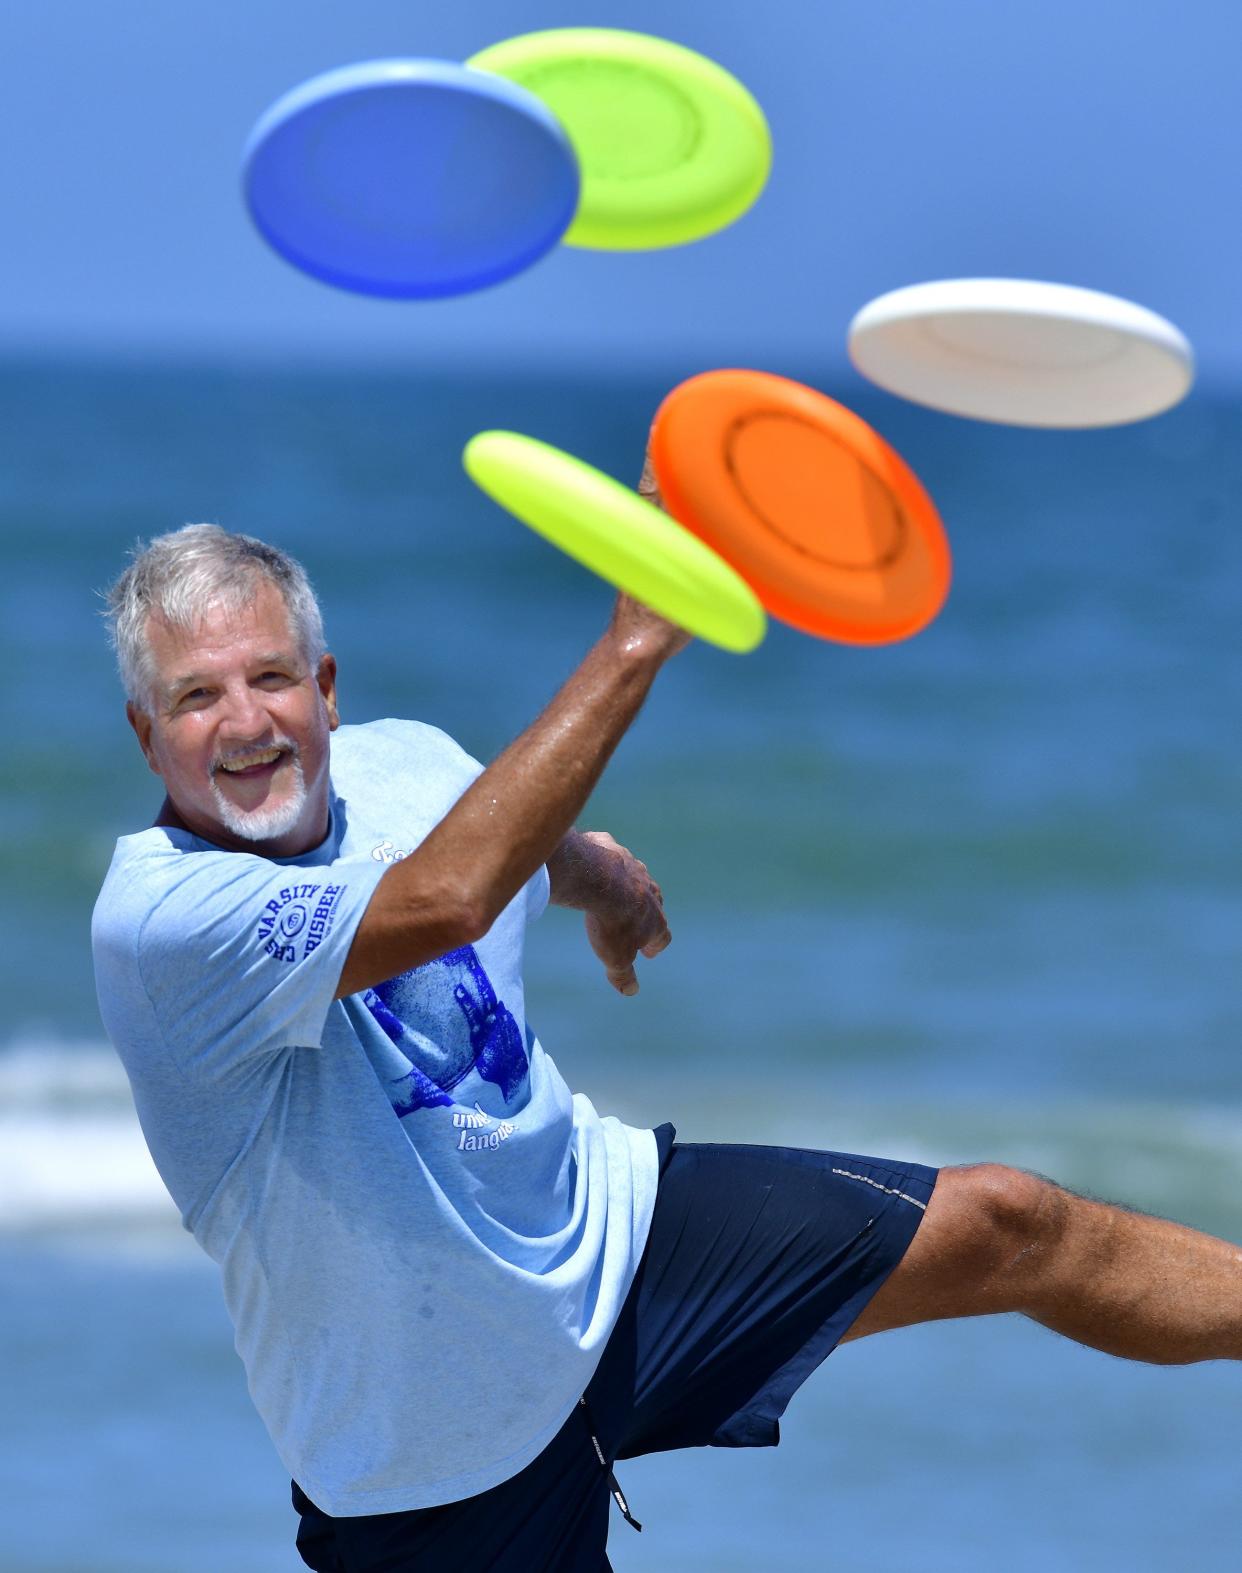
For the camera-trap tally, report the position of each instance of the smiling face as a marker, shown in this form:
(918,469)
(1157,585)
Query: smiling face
(238,727)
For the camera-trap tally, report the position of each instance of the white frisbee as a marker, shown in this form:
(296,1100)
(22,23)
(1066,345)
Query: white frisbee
(1022,353)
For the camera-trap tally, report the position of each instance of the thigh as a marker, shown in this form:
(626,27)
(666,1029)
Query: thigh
(553,1516)
(758,1260)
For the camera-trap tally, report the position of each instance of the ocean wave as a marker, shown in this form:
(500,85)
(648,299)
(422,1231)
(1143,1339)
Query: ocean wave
(73,1161)
(72,1154)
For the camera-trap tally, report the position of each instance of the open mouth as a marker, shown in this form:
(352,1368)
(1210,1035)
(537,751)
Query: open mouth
(266,794)
(254,766)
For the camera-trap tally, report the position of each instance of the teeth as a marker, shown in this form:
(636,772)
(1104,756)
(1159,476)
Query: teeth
(267,757)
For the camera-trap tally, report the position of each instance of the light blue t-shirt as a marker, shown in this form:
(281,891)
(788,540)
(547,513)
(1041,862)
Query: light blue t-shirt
(425,1237)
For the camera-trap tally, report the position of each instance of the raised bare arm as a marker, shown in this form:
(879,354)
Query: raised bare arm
(451,888)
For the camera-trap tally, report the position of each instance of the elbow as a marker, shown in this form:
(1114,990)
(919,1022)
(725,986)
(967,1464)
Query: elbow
(429,912)
(446,910)
(470,924)
(466,918)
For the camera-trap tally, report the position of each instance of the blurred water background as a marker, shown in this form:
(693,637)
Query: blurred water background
(971,896)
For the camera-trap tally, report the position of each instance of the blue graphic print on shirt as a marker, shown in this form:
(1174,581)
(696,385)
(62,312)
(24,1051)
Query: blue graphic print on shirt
(486,1037)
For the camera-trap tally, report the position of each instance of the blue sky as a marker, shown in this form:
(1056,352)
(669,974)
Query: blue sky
(1093,142)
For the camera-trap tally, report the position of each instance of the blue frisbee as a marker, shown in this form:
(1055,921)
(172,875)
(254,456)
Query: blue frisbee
(410,178)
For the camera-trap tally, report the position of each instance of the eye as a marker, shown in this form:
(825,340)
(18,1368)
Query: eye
(192,699)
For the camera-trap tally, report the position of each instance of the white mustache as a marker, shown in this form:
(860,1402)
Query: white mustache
(285,744)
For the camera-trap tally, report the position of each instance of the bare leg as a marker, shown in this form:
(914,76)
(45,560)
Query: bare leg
(996,1239)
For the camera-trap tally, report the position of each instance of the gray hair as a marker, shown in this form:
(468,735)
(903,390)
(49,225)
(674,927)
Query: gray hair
(178,576)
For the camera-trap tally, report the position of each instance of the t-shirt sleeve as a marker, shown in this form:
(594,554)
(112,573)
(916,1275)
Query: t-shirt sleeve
(242,957)
(538,889)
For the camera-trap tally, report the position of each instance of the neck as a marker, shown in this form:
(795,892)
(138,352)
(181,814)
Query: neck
(169,817)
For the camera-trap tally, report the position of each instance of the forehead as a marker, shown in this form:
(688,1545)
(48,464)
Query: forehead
(223,634)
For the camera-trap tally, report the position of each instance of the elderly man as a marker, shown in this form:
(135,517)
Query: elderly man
(460,1293)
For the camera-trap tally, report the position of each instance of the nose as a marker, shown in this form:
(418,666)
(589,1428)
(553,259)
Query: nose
(243,716)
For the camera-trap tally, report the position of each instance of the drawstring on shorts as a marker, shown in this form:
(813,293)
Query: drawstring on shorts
(617,1493)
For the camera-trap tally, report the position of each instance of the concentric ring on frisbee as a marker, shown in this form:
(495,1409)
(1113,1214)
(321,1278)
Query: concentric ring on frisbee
(1022,353)
(617,534)
(672,147)
(410,178)
(822,518)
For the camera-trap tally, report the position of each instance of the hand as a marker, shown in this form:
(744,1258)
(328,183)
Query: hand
(638,624)
(627,918)
(647,486)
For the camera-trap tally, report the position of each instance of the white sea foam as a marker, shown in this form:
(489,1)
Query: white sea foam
(73,1161)
(72,1153)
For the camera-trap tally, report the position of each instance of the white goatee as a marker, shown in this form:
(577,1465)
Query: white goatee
(266,822)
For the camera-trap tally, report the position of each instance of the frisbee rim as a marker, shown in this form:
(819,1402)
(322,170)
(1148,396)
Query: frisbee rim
(723,608)
(369,76)
(1151,342)
(767,393)
(693,75)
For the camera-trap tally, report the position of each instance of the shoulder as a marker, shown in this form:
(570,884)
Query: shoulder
(390,744)
(143,867)
(165,880)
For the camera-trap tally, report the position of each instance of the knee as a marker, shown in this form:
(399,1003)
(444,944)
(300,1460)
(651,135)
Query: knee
(1012,1208)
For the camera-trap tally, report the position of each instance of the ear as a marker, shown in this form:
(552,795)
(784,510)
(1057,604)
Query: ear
(141,723)
(326,679)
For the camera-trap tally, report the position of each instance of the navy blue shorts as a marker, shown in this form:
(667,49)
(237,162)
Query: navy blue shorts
(758,1260)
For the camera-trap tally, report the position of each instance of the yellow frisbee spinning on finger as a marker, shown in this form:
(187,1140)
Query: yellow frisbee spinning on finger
(671,147)
(823,519)
(617,534)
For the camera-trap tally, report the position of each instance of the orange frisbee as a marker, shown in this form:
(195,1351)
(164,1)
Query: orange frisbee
(825,521)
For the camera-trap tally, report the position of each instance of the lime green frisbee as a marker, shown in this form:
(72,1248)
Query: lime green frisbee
(671,146)
(618,535)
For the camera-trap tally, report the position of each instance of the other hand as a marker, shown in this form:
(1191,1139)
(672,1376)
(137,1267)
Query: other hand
(627,918)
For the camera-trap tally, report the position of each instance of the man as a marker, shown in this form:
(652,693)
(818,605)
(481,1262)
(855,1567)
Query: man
(459,1293)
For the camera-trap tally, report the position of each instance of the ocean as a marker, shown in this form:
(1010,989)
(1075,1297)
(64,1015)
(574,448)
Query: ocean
(971,896)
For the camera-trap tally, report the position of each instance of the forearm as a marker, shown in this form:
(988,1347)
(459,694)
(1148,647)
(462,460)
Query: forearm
(514,818)
(519,814)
